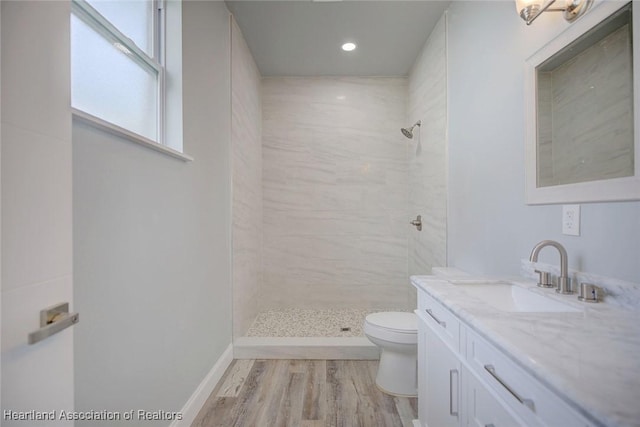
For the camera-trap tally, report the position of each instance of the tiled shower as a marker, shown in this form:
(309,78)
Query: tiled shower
(324,187)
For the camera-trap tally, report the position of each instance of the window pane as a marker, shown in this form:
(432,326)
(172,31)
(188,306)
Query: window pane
(108,84)
(133,17)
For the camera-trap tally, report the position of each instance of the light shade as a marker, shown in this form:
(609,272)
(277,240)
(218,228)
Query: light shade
(528,8)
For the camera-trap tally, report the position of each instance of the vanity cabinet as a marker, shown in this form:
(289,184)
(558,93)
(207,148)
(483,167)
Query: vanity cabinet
(464,381)
(449,394)
(439,385)
(439,379)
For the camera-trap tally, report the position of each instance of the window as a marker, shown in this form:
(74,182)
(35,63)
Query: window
(117,64)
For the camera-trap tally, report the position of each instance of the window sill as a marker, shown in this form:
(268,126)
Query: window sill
(128,135)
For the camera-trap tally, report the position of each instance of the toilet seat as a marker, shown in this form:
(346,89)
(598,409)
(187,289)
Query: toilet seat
(394,327)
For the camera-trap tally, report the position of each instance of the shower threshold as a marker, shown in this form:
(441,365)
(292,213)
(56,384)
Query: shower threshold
(331,348)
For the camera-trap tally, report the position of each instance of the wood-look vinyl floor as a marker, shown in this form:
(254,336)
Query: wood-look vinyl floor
(303,393)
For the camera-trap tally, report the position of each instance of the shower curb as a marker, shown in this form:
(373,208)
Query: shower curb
(337,348)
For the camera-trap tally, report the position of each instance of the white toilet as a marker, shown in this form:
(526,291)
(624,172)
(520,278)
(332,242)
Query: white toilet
(396,333)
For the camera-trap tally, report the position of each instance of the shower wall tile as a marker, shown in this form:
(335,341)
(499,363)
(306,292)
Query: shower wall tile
(335,193)
(428,154)
(246,123)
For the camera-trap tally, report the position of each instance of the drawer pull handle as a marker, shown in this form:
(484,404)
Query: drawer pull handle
(489,425)
(430,313)
(526,402)
(451,411)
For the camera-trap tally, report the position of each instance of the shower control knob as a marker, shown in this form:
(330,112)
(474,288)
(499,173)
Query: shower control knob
(417,222)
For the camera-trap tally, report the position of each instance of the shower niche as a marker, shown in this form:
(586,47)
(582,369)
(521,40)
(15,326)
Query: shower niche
(582,113)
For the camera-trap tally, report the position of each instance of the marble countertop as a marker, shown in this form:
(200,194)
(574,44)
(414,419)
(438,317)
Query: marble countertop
(590,358)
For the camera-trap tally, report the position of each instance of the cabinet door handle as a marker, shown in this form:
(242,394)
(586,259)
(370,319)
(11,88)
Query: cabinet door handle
(438,321)
(451,411)
(526,402)
(489,425)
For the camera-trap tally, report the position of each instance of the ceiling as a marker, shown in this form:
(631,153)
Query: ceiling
(303,37)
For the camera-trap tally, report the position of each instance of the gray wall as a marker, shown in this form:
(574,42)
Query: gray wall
(489,226)
(152,243)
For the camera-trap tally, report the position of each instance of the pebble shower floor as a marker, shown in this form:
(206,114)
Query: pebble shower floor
(298,322)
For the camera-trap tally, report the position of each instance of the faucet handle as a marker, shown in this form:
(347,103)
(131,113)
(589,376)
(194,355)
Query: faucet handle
(544,280)
(588,292)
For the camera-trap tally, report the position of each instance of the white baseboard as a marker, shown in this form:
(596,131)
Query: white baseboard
(199,397)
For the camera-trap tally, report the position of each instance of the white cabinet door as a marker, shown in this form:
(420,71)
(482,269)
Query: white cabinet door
(483,409)
(422,368)
(439,382)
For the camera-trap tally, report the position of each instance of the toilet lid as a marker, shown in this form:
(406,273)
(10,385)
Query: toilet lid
(396,321)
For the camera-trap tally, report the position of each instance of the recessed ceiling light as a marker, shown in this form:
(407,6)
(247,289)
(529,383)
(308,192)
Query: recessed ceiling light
(348,47)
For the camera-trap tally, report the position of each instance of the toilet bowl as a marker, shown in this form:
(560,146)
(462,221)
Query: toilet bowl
(396,333)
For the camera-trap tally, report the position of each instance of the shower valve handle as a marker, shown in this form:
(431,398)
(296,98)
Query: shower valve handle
(417,222)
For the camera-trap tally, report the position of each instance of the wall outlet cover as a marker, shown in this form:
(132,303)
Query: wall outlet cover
(571,220)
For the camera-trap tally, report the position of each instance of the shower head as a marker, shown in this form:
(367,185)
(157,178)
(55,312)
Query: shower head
(408,132)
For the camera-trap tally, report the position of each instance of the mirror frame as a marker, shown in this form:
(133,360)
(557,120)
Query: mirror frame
(607,190)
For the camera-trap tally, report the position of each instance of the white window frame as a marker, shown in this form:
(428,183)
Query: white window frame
(155,63)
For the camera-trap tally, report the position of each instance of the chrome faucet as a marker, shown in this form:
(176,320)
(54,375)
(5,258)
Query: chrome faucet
(563,280)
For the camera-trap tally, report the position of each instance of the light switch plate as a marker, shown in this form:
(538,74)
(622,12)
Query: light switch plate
(571,220)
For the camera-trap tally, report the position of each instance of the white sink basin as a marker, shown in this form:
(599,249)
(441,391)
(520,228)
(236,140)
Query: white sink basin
(507,297)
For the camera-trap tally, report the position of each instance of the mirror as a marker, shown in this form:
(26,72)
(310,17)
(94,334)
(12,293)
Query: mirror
(582,145)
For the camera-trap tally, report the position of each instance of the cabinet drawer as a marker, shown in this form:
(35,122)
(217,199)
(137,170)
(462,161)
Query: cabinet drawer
(527,397)
(483,408)
(440,320)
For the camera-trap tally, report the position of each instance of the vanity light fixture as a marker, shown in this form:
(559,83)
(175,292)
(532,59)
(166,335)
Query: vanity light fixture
(529,10)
